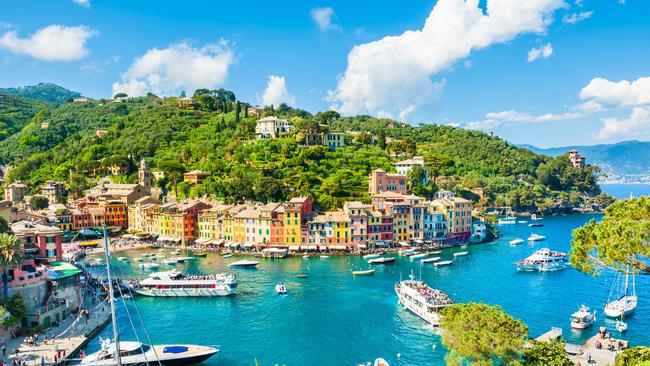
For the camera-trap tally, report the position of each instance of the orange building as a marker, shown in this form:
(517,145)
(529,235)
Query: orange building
(379,181)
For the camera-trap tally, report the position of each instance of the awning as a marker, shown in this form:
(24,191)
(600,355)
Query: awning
(201,240)
(248,245)
(177,240)
(294,247)
(404,244)
(362,246)
(274,250)
(308,247)
(217,241)
(338,247)
(161,238)
(418,241)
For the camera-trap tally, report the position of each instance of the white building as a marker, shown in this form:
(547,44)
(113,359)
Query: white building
(405,166)
(272,127)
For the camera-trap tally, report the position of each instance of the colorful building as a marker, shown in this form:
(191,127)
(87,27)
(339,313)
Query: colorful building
(379,181)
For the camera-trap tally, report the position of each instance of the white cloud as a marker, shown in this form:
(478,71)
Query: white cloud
(544,51)
(497,119)
(179,67)
(323,18)
(574,18)
(621,93)
(52,43)
(636,125)
(591,107)
(394,74)
(276,92)
(84,3)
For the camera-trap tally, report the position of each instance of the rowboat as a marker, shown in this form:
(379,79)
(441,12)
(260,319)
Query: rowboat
(443,263)
(367,272)
(429,260)
(381,260)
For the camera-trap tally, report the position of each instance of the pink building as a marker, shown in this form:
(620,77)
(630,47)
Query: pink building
(42,244)
(379,181)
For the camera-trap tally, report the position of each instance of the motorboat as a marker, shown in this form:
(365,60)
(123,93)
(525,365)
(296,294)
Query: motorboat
(138,259)
(417,256)
(136,353)
(227,256)
(583,318)
(535,218)
(422,300)
(621,326)
(507,220)
(371,256)
(626,301)
(280,288)
(122,259)
(535,237)
(406,252)
(367,272)
(169,262)
(434,252)
(443,263)
(461,254)
(244,263)
(176,284)
(301,275)
(381,362)
(517,241)
(149,265)
(522,221)
(381,260)
(429,260)
(536,224)
(543,260)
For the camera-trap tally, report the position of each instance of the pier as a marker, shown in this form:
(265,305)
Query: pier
(599,350)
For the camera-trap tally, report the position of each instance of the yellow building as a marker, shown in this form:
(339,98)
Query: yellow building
(292,223)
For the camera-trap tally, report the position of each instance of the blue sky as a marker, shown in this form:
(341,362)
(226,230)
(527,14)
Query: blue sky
(543,72)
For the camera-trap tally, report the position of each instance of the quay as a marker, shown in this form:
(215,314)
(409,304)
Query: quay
(599,350)
(67,339)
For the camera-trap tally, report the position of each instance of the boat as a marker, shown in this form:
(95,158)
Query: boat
(149,265)
(381,362)
(182,259)
(302,275)
(127,297)
(621,326)
(583,318)
(536,225)
(429,260)
(280,288)
(535,218)
(169,262)
(201,255)
(306,256)
(367,272)
(227,256)
(461,254)
(443,263)
(381,260)
(324,256)
(522,221)
(422,300)
(517,241)
(434,252)
(138,259)
(626,301)
(543,260)
(123,259)
(406,252)
(371,256)
(176,252)
(117,352)
(417,256)
(535,237)
(507,220)
(244,263)
(176,284)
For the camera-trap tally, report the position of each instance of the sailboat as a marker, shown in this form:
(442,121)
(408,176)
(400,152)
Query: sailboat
(120,353)
(626,302)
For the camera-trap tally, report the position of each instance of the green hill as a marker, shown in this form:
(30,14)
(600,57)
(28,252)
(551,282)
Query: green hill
(46,92)
(15,113)
(214,138)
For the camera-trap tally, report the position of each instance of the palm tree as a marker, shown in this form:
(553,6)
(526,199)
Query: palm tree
(11,256)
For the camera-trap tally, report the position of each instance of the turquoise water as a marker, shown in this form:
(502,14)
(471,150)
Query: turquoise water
(334,318)
(626,190)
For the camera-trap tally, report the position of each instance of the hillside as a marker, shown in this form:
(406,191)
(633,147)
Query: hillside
(623,158)
(213,137)
(46,92)
(15,113)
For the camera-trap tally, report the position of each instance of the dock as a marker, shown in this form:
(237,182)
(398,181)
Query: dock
(599,350)
(67,339)
(553,334)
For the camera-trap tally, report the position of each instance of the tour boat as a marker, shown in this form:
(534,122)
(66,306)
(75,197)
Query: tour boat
(417,256)
(626,302)
(136,353)
(460,254)
(381,362)
(535,237)
(422,300)
(535,225)
(149,265)
(429,260)
(176,284)
(280,288)
(381,260)
(371,256)
(443,263)
(367,272)
(244,263)
(583,318)
(543,260)
(517,241)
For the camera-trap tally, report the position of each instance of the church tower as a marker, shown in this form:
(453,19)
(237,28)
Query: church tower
(144,175)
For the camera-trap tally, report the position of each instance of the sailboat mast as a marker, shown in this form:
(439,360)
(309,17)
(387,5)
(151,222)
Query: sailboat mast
(627,278)
(116,336)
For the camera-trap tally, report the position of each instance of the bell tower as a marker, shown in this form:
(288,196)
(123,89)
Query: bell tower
(144,175)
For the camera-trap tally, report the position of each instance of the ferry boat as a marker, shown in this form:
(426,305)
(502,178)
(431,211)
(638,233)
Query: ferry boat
(244,263)
(583,318)
(535,237)
(381,260)
(422,300)
(176,284)
(136,353)
(543,260)
(517,241)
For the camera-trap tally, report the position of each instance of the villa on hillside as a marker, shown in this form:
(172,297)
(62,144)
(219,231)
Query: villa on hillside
(272,127)
(577,160)
(405,166)
(195,176)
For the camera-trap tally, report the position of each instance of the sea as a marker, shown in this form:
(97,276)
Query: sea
(626,190)
(333,318)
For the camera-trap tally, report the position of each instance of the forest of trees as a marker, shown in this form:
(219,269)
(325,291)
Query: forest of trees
(217,135)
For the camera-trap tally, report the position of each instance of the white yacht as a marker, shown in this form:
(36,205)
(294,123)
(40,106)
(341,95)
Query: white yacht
(517,241)
(543,260)
(422,300)
(626,301)
(281,288)
(136,353)
(583,318)
(176,284)
(535,237)
(244,263)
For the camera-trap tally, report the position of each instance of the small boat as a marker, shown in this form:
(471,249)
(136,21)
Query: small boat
(371,256)
(443,263)
(136,353)
(324,256)
(434,252)
(169,262)
(507,220)
(461,254)
(536,225)
(176,252)
(583,318)
(381,362)
(367,272)
(138,259)
(621,326)
(149,265)
(418,256)
(127,297)
(306,256)
(201,255)
(406,252)
(244,263)
(381,260)
(182,259)
(227,256)
(625,303)
(280,288)
(535,237)
(123,259)
(429,260)
(517,241)
(535,218)
(302,275)
(522,221)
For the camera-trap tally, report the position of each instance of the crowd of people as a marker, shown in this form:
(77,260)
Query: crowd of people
(431,296)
